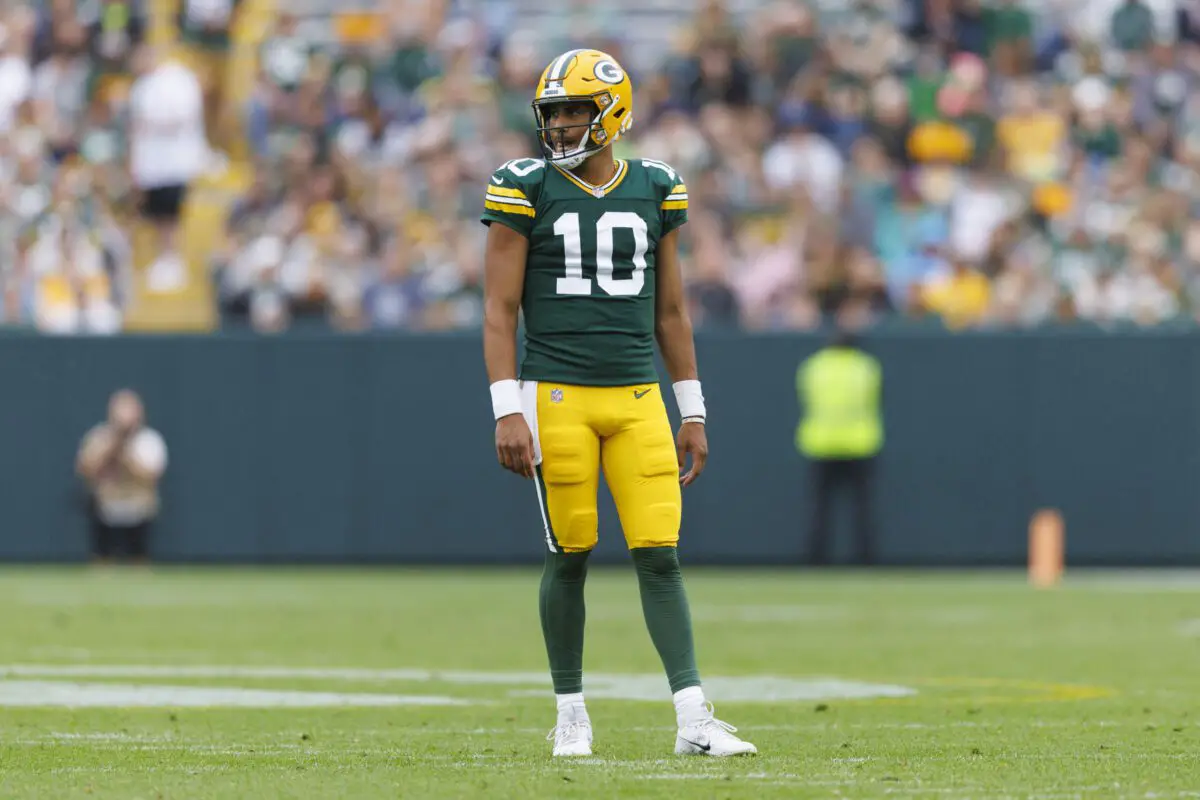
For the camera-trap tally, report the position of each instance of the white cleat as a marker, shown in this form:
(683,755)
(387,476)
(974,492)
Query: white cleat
(571,738)
(709,736)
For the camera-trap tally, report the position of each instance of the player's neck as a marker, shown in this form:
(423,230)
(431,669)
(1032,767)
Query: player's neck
(597,170)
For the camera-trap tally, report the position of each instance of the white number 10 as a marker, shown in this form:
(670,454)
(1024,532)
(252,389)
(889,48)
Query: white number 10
(567,226)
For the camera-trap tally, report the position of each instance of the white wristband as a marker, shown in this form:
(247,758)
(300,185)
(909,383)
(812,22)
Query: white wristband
(690,400)
(506,398)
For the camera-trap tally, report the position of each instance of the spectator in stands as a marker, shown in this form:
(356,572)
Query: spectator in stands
(16,76)
(285,55)
(72,283)
(168,151)
(1132,26)
(711,300)
(206,28)
(396,298)
(910,237)
(976,211)
(960,296)
(269,301)
(853,294)
(459,291)
(115,29)
(122,461)
(804,160)
(60,86)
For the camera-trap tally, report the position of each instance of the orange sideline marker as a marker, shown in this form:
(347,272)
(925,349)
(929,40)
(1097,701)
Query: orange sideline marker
(1046,548)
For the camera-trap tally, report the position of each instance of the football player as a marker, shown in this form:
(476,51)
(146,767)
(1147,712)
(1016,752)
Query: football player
(586,246)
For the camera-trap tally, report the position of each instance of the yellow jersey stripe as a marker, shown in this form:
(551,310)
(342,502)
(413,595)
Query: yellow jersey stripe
(680,189)
(512,201)
(675,205)
(506,192)
(509,208)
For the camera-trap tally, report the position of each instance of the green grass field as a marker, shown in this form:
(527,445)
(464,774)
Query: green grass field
(430,684)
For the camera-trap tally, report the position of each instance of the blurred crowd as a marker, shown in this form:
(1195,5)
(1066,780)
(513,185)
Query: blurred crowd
(64,189)
(974,163)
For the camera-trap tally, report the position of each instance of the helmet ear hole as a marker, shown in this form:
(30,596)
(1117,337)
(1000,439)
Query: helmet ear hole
(620,112)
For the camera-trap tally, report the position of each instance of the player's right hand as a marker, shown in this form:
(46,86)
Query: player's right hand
(514,445)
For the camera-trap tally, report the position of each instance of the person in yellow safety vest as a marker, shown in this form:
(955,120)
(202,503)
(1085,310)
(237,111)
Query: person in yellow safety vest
(841,433)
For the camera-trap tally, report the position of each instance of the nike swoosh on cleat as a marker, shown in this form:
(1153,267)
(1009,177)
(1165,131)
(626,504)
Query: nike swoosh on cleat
(639,395)
(704,747)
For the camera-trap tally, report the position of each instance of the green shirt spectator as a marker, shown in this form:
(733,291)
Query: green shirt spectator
(1008,22)
(1133,26)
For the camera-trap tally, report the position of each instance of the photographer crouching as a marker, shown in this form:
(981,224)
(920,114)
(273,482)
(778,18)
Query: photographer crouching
(122,461)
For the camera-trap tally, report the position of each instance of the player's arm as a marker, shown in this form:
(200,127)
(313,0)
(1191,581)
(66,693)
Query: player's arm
(504,281)
(672,325)
(673,329)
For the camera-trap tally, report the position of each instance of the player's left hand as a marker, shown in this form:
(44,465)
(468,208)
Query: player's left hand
(692,439)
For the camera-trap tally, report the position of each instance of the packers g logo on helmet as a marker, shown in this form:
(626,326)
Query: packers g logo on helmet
(609,72)
(584,76)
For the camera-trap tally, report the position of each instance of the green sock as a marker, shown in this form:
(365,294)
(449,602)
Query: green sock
(560,601)
(665,606)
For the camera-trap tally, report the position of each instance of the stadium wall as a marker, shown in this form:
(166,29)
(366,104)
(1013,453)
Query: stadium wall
(318,448)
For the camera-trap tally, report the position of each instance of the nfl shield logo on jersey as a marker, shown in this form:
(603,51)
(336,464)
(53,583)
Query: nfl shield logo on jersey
(556,395)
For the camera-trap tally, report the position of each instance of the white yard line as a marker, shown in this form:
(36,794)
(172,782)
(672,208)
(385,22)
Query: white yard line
(646,687)
(53,694)
(188,769)
(815,727)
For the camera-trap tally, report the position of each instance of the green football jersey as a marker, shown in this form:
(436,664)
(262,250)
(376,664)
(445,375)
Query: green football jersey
(590,275)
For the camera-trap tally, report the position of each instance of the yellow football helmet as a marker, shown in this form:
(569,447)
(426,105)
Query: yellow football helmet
(584,76)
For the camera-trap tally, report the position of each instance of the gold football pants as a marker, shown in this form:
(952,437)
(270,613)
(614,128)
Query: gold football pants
(577,430)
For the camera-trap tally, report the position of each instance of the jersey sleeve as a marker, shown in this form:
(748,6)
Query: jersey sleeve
(510,201)
(674,204)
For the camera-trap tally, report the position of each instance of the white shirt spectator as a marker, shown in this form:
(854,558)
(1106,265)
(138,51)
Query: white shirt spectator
(16,82)
(168,146)
(976,212)
(59,86)
(809,160)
